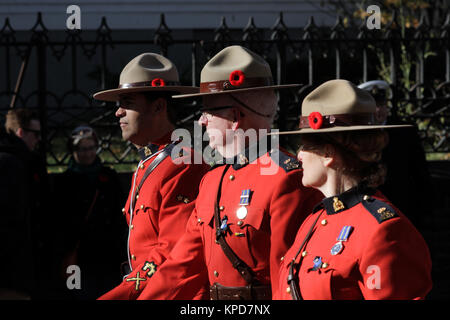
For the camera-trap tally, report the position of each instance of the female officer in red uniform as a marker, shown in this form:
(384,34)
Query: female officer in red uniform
(355,244)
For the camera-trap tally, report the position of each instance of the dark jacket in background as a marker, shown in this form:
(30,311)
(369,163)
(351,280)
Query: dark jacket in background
(27,217)
(16,263)
(92,238)
(408,183)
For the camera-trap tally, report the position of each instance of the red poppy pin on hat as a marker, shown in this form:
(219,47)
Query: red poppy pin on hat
(315,120)
(338,105)
(237,78)
(235,69)
(146,72)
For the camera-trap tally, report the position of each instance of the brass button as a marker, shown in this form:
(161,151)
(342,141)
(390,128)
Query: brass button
(304,253)
(142,206)
(324,222)
(282,258)
(288,290)
(141,166)
(324,265)
(199,220)
(137,196)
(133,257)
(131,227)
(221,208)
(240,223)
(123,209)
(216,274)
(366,197)
(231,177)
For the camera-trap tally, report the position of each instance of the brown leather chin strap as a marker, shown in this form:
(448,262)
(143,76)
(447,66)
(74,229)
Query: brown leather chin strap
(248,108)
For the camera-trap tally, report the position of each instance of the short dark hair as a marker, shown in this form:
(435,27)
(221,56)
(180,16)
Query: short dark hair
(19,118)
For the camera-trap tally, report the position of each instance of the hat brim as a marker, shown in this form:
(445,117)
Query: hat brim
(283,86)
(337,129)
(114,94)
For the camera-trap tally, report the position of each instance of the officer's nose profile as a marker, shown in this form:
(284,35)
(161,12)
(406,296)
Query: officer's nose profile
(120,112)
(203,119)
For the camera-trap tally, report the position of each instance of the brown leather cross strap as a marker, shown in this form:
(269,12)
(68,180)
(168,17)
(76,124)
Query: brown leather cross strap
(164,154)
(244,270)
(333,120)
(295,289)
(225,85)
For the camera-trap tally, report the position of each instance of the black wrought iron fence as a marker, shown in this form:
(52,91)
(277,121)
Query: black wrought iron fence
(57,72)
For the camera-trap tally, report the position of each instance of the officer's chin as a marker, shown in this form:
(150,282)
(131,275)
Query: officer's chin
(126,136)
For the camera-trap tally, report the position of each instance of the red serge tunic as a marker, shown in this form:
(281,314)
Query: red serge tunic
(157,215)
(380,256)
(276,206)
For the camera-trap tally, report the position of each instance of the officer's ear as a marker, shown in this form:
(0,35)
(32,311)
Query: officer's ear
(237,118)
(160,105)
(329,155)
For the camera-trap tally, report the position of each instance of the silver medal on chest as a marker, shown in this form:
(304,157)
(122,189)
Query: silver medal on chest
(241,213)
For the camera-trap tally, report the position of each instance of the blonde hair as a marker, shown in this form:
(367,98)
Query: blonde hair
(19,118)
(360,150)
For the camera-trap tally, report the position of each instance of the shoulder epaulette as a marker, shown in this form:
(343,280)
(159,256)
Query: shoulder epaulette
(379,209)
(285,161)
(180,150)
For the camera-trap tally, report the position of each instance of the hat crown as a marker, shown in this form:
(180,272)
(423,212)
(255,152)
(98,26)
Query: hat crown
(147,67)
(234,58)
(338,97)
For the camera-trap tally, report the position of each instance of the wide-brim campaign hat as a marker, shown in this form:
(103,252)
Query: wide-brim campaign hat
(146,72)
(235,69)
(338,105)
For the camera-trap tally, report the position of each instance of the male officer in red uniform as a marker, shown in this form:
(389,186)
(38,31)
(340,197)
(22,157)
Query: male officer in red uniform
(164,185)
(250,203)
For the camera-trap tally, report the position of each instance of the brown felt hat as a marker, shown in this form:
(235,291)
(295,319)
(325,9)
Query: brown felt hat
(235,69)
(146,72)
(338,105)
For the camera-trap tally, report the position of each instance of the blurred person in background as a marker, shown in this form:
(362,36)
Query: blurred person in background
(93,231)
(26,194)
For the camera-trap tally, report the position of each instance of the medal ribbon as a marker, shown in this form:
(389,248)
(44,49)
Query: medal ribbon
(345,232)
(245,197)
